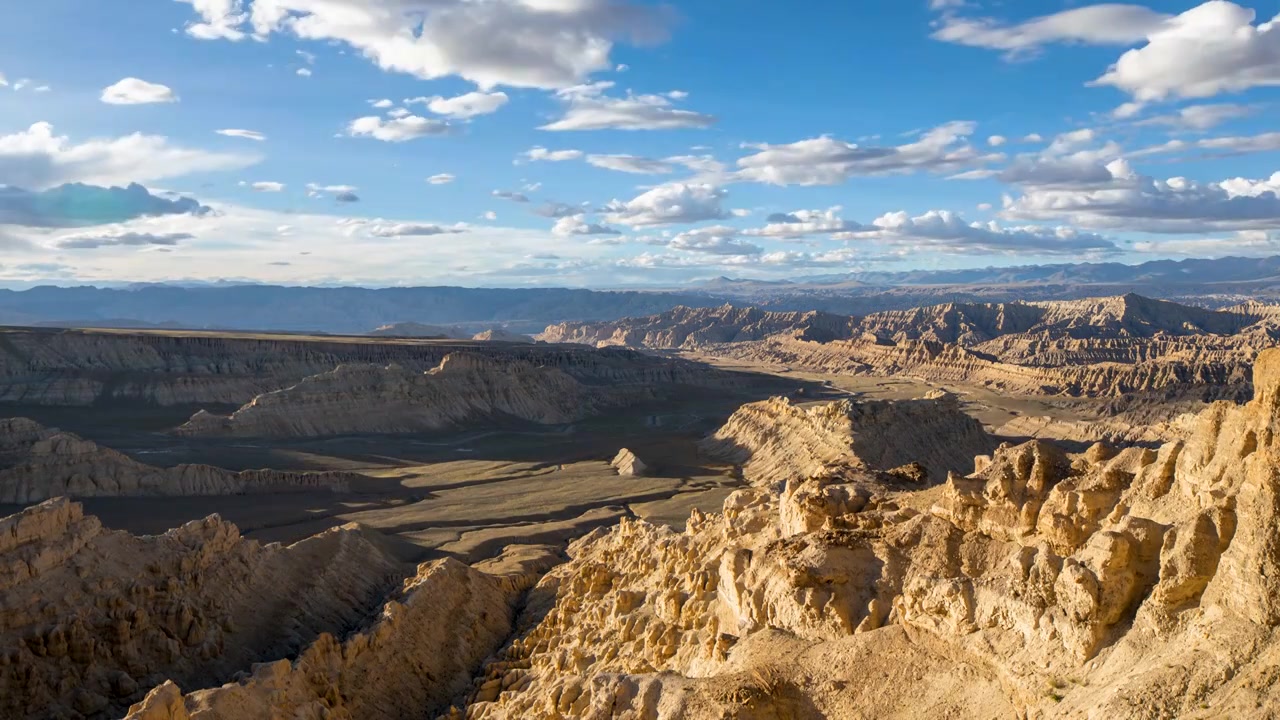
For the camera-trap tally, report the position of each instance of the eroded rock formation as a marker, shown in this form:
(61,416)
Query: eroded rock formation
(79,368)
(38,463)
(465,388)
(90,619)
(412,662)
(776,439)
(1100,347)
(1109,583)
(628,465)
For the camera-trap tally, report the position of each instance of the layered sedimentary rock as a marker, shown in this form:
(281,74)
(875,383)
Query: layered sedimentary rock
(38,463)
(90,619)
(691,328)
(80,368)
(412,662)
(418,330)
(1100,347)
(501,335)
(627,464)
(776,439)
(1109,583)
(466,388)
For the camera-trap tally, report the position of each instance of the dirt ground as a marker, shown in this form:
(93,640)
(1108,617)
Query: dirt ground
(466,494)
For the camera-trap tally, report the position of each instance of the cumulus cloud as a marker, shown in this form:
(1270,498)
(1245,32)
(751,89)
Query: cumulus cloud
(391,230)
(132,91)
(1106,24)
(556,210)
(511,195)
(1200,117)
(246,134)
(578,225)
(37,158)
(382,104)
(100,240)
(539,153)
(401,129)
(1210,49)
(946,231)
(715,240)
(464,106)
(631,164)
(1146,204)
(827,161)
(303,72)
(346,197)
(340,193)
(672,203)
(519,43)
(441,179)
(804,223)
(588,108)
(79,205)
(265,186)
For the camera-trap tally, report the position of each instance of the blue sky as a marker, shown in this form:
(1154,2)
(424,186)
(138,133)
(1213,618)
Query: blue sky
(678,142)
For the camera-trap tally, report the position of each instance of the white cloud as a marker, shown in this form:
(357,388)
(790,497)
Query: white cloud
(382,104)
(946,231)
(578,225)
(1032,138)
(221,18)
(511,195)
(340,193)
(246,134)
(94,240)
(673,203)
(303,72)
(384,229)
(997,140)
(1200,117)
(1106,24)
(464,106)
(4,82)
(308,58)
(490,215)
(590,109)
(1145,204)
(37,158)
(804,223)
(1208,50)
(441,179)
(132,91)
(520,43)
(827,161)
(631,164)
(715,240)
(265,186)
(401,129)
(539,153)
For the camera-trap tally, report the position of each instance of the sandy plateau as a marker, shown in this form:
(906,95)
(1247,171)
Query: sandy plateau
(1022,510)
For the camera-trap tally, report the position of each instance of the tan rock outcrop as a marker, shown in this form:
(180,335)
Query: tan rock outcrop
(1108,583)
(83,367)
(92,618)
(691,328)
(413,661)
(466,388)
(38,463)
(627,464)
(776,440)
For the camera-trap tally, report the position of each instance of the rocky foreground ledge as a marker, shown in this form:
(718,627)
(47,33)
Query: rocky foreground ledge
(1116,582)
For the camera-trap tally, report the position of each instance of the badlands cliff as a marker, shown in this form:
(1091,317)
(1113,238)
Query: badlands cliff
(775,440)
(91,619)
(37,463)
(83,367)
(1102,347)
(1135,583)
(691,328)
(466,388)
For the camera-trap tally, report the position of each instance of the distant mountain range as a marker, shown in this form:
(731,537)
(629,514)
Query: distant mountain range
(1210,283)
